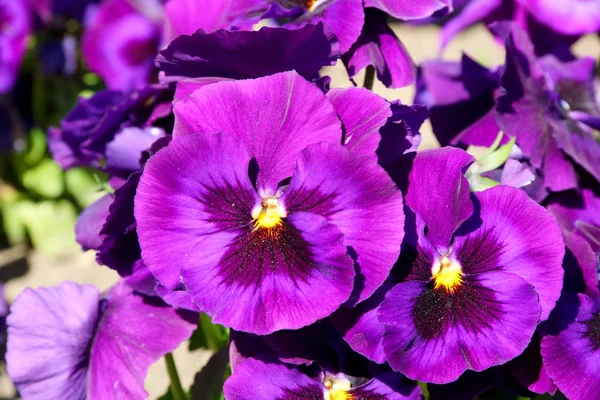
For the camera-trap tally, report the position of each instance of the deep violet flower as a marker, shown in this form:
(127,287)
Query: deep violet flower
(542,106)
(314,363)
(120,43)
(486,269)
(110,130)
(15,20)
(258,210)
(71,342)
(552,25)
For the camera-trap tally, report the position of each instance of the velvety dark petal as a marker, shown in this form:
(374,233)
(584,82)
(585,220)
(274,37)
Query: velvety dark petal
(200,228)
(361,328)
(572,355)
(124,152)
(255,379)
(89,223)
(580,266)
(401,133)
(133,333)
(362,113)
(530,371)
(439,192)
(356,195)
(292,114)
(50,331)
(408,9)
(512,233)
(378,46)
(66,143)
(242,55)
(434,335)
(345,18)
(120,249)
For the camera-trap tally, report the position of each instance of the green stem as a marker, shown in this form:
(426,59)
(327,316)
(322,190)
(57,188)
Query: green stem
(369,77)
(176,388)
(211,332)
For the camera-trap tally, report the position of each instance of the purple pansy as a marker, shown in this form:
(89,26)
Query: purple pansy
(15,20)
(258,210)
(313,363)
(537,108)
(570,344)
(110,130)
(120,44)
(486,268)
(71,342)
(549,36)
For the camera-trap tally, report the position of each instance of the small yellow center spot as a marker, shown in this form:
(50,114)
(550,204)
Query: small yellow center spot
(268,214)
(337,389)
(447,274)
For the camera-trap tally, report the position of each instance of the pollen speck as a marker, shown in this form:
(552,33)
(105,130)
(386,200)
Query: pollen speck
(447,274)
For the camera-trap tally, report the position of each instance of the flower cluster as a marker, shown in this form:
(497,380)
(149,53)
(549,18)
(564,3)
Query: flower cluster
(346,263)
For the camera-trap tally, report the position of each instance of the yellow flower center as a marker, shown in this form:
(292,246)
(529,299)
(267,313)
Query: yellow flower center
(337,389)
(447,274)
(268,214)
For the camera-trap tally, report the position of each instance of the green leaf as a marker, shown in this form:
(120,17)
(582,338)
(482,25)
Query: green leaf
(36,147)
(13,223)
(45,179)
(50,224)
(208,335)
(208,383)
(85,185)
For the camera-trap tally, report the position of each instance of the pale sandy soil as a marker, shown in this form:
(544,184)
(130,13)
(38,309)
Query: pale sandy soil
(34,269)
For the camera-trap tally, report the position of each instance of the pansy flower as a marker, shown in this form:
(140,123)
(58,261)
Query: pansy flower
(552,25)
(485,270)
(71,342)
(15,20)
(120,43)
(313,363)
(545,106)
(264,209)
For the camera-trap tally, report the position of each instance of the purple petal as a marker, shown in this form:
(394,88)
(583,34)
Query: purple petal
(408,9)
(345,18)
(439,192)
(401,133)
(242,55)
(580,266)
(134,333)
(125,150)
(13,40)
(435,336)
(523,235)
(572,355)
(89,223)
(265,381)
(530,371)
(363,114)
(184,17)
(378,46)
(474,11)
(356,195)
(120,249)
(570,17)
(516,174)
(120,45)
(275,117)
(361,328)
(50,331)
